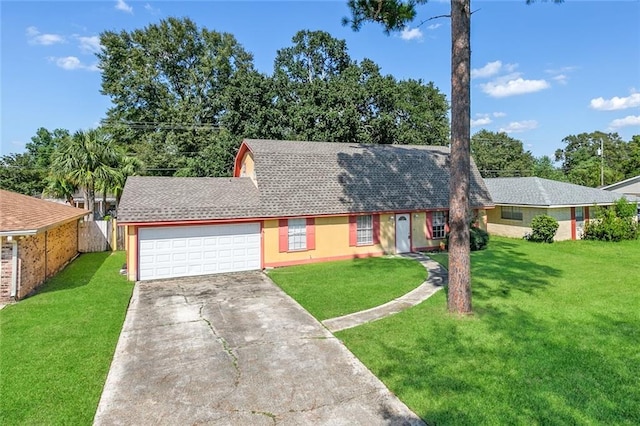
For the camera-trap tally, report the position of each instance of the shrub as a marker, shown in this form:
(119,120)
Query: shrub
(543,229)
(478,238)
(613,224)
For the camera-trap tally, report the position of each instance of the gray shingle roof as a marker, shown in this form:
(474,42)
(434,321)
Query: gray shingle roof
(534,191)
(151,199)
(307,178)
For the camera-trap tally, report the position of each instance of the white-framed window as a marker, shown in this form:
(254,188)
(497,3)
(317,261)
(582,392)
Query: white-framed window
(579,214)
(297,232)
(438,225)
(510,213)
(365,230)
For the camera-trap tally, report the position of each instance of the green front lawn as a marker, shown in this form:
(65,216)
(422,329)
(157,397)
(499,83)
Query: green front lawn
(56,346)
(333,289)
(555,339)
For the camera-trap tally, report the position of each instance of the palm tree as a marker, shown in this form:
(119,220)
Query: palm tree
(86,160)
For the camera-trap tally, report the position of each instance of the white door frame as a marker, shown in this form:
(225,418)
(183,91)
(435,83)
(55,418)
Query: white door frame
(403,241)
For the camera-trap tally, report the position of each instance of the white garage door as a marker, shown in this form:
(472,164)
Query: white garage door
(181,251)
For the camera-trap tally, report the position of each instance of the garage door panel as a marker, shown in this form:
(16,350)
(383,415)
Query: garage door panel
(167,252)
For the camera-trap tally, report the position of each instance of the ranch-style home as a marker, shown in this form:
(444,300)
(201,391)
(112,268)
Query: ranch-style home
(38,239)
(289,203)
(520,199)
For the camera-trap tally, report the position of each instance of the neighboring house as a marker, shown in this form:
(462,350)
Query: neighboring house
(291,203)
(627,187)
(38,239)
(81,203)
(520,199)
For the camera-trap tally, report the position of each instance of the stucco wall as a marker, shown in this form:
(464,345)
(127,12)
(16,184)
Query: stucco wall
(332,242)
(247,167)
(517,229)
(40,257)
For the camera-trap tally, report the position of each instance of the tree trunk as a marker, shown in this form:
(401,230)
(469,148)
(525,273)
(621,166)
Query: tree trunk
(90,201)
(459,295)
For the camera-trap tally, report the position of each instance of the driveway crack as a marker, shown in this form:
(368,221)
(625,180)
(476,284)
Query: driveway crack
(224,344)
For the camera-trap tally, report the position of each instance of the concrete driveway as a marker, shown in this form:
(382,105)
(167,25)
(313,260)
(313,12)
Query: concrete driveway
(234,349)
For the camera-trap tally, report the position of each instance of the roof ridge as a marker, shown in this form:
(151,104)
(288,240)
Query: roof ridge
(543,190)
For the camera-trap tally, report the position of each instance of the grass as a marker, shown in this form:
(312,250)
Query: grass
(58,344)
(333,289)
(555,339)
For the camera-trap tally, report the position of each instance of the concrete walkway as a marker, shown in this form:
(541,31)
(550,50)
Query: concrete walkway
(435,281)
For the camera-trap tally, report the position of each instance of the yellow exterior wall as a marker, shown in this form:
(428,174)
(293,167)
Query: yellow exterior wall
(131,244)
(517,229)
(247,166)
(332,241)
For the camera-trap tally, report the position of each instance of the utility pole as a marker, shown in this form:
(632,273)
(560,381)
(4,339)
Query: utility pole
(601,162)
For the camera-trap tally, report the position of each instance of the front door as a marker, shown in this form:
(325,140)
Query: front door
(403,233)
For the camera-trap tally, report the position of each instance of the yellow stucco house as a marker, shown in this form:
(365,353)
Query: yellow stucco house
(520,199)
(290,203)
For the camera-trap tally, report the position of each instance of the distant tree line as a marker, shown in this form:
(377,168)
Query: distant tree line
(183,98)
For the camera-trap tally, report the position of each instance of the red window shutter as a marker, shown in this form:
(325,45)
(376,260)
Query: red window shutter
(586,213)
(353,231)
(283,233)
(429,226)
(376,229)
(311,233)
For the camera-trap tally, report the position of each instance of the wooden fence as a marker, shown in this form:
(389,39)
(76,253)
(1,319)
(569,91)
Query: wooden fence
(100,235)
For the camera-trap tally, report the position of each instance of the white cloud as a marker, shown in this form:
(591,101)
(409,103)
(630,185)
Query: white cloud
(519,126)
(489,70)
(513,85)
(616,103)
(499,114)
(411,34)
(123,6)
(36,37)
(481,121)
(90,44)
(434,26)
(72,63)
(561,78)
(629,120)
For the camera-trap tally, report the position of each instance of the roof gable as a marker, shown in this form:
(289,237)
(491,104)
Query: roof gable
(23,214)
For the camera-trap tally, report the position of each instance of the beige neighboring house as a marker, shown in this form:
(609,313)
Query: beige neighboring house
(38,239)
(628,187)
(518,200)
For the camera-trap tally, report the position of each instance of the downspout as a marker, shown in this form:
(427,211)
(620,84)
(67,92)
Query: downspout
(14,268)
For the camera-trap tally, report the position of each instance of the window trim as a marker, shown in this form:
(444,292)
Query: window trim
(360,228)
(298,231)
(438,234)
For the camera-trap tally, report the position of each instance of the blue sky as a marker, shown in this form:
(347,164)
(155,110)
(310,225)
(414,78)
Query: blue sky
(540,72)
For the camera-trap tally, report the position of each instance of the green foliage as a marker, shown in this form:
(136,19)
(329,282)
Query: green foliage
(615,223)
(543,228)
(582,164)
(499,155)
(543,167)
(478,238)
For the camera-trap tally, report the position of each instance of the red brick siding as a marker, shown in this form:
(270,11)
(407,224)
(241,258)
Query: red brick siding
(39,257)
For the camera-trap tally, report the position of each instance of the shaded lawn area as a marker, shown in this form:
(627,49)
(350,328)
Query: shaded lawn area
(333,289)
(555,339)
(58,344)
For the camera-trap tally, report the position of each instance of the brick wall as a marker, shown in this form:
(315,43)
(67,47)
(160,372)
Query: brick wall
(39,257)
